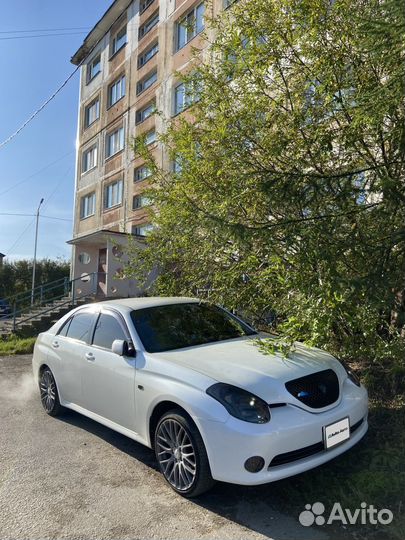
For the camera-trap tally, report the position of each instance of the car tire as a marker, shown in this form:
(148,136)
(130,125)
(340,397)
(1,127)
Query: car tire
(49,393)
(181,454)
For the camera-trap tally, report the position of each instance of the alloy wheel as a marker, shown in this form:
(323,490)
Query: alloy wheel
(48,391)
(176,455)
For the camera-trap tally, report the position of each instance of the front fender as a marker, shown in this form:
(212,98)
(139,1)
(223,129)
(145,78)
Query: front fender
(157,388)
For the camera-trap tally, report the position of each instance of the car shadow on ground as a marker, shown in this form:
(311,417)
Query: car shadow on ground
(258,508)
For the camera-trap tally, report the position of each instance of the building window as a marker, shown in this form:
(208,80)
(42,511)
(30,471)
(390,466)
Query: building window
(113,194)
(189,26)
(146,82)
(89,160)
(87,205)
(186,95)
(148,54)
(92,113)
(116,91)
(141,173)
(115,142)
(142,230)
(176,166)
(93,67)
(148,25)
(119,40)
(140,201)
(144,5)
(145,112)
(150,137)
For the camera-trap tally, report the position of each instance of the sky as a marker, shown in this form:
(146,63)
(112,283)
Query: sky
(40,161)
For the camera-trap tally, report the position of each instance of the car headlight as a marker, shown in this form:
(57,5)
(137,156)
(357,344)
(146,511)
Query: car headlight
(240,403)
(351,374)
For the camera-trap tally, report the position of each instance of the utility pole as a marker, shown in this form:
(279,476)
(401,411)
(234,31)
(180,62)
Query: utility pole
(35,253)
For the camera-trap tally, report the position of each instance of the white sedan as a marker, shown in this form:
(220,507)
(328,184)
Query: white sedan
(187,379)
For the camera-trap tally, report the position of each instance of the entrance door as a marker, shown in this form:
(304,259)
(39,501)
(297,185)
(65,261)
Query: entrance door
(102,272)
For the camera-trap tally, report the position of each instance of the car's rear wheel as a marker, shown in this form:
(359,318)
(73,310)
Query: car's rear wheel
(49,393)
(181,454)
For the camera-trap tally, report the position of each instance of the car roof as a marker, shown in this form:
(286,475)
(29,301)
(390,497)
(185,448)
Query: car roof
(130,304)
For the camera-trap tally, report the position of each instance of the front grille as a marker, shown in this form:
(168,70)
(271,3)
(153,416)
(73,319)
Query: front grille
(316,390)
(301,453)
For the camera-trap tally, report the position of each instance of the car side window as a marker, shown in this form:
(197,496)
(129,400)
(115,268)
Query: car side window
(80,326)
(107,330)
(65,328)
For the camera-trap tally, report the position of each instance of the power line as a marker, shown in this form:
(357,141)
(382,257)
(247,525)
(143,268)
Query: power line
(16,184)
(42,35)
(33,221)
(20,237)
(44,30)
(34,114)
(11,137)
(30,215)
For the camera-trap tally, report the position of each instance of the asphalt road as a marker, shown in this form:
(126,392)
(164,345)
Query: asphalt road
(70,477)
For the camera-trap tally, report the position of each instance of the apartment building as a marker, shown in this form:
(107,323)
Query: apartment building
(128,62)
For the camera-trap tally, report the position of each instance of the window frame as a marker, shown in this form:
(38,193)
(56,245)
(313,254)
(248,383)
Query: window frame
(144,204)
(148,133)
(139,226)
(144,166)
(145,28)
(92,195)
(140,85)
(114,50)
(87,109)
(122,83)
(86,152)
(139,114)
(191,95)
(147,51)
(89,65)
(195,31)
(143,6)
(108,138)
(120,191)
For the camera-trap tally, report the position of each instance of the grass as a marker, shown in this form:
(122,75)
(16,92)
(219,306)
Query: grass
(17,345)
(372,472)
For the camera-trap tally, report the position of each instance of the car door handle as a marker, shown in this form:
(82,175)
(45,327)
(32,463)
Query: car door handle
(90,356)
(55,344)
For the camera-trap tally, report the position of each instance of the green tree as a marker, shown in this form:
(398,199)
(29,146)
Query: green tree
(289,195)
(16,277)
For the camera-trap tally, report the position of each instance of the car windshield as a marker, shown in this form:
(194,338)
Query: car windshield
(175,326)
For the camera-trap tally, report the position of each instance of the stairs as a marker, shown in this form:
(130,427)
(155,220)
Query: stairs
(36,310)
(38,319)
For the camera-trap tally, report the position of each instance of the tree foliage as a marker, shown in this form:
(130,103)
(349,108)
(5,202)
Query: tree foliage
(289,195)
(16,277)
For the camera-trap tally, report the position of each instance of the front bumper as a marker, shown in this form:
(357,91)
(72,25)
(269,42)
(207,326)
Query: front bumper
(291,428)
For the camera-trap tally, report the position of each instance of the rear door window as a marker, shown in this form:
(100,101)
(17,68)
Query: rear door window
(80,326)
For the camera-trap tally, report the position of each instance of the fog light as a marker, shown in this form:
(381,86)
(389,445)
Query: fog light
(254,464)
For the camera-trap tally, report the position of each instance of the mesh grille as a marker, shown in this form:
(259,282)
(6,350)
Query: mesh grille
(316,390)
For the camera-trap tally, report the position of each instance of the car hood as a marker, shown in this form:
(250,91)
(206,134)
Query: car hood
(241,363)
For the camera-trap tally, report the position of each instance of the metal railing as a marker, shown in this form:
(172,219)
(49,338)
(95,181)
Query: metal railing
(26,306)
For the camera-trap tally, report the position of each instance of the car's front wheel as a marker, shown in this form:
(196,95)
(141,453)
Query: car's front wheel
(49,393)
(181,454)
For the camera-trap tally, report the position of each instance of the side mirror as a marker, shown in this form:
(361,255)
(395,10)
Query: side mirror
(123,348)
